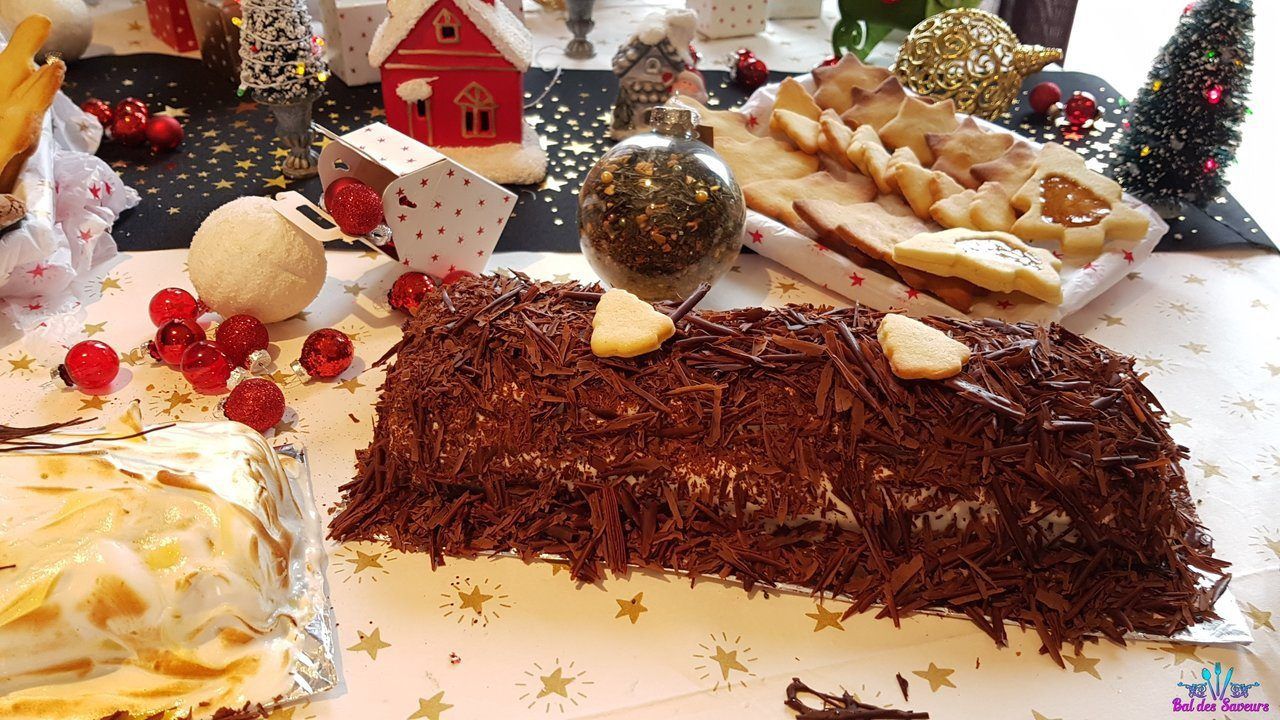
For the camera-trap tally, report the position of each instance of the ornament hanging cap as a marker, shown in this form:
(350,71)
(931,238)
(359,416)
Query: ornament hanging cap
(672,120)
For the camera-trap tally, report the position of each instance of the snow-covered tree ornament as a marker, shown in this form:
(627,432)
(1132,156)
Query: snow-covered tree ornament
(1185,123)
(282,65)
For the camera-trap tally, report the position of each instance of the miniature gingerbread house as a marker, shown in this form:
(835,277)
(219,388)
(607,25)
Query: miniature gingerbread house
(453,78)
(647,66)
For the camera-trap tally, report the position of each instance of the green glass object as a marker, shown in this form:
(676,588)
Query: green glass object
(864,23)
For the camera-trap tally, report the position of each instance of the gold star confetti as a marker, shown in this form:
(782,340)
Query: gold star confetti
(431,707)
(1182,652)
(91,329)
(173,112)
(350,385)
(1082,664)
(1259,617)
(134,357)
(786,286)
(473,600)
(135,26)
(279,181)
(824,618)
(109,283)
(92,402)
(21,363)
(366,561)
(1111,320)
(177,399)
(370,643)
(937,677)
(353,288)
(1209,469)
(631,608)
(280,377)
(728,662)
(556,683)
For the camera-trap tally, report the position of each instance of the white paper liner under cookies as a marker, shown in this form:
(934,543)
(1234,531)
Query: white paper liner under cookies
(1082,280)
(223,470)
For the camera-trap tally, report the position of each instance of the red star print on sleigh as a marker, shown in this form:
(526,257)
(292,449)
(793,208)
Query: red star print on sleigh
(442,215)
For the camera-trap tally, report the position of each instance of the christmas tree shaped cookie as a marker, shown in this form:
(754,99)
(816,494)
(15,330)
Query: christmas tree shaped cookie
(992,260)
(1065,201)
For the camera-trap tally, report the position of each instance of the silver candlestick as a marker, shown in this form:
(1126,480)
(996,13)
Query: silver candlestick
(580,23)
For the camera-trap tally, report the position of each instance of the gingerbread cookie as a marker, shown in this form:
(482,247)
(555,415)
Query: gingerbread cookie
(1010,170)
(914,120)
(993,260)
(626,326)
(1065,201)
(835,139)
(920,352)
(763,158)
(957,151)
(986,208)
(803,132)
(875,107)
(836,82)
(776,198)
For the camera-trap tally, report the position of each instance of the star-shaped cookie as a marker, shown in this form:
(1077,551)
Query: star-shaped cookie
(836,82)
(957,151)
(1010,170)
(875,107)
(914,120)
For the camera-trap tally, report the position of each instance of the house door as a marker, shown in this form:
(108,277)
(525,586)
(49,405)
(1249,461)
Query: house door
(478,112)
(420,121)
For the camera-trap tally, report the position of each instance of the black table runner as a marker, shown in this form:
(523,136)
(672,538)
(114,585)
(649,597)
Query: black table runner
(230,148)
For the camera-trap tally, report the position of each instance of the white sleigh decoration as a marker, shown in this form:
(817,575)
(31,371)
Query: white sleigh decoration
(443,216)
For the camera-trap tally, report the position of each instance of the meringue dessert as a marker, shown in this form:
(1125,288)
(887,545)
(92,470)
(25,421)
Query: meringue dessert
(163,575)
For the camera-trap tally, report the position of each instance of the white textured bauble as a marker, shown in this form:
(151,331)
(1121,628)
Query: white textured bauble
(72,24)
(246,258)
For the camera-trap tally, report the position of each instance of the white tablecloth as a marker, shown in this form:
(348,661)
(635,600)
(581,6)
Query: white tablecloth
(499,639)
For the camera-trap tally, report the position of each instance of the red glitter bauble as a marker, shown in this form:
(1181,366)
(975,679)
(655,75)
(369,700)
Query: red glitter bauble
(100,109)
(1080,108)
(89,365)
(407,292)
(1043,96)
(129,128)
(454,276)
(326,353)
(205,366)
(172,303)
(256,402)
(748,71)
(356,208)
(173,337)
(332,189)
(241,337)
(132,105)
(164,133)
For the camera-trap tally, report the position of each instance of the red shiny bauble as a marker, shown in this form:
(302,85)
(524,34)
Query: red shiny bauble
(100,109)
(129,128)
(173,337)
(407,292)
(256,402)
(356,208)
(454,276)
(748,71)
(172,303)
(164,133)
(205,366)
(1080,108)
(332,189)
(243,338)
(828,62)
(326,353)
(132,105)
(89,365)
(1043,96)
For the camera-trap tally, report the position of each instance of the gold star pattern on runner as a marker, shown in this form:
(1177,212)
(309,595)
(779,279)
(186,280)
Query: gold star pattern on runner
(350,385)
(556,683)
(1083,664)
(109,283)
(1258,617)
(91,329)
(22,362)
(552,184)
(92,402)
(173,112)
(631,608)
(473,600)
(370,643)
(430,708)
(824,618)
(577,148)
(1182,652)
(938,677)
(221,148)
(222,185)
(279,181)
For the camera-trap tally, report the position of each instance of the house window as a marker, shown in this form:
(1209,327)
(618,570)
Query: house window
(446,27)
(421,108)
(652,66)
(478,109)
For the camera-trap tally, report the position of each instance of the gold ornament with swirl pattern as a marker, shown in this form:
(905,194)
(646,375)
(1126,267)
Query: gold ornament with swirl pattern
(970,56)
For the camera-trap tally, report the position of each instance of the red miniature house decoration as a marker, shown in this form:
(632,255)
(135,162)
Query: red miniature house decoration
(453,73)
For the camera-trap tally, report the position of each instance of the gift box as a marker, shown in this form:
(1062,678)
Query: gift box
(729,18)
(171,22)
(443,216)
(349,26)
(218,32)
(784,9)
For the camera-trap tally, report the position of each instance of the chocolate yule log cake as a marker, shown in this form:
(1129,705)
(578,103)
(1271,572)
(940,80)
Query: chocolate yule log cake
(1039,485)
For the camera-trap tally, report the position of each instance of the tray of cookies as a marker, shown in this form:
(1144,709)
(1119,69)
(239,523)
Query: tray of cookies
(897,201)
